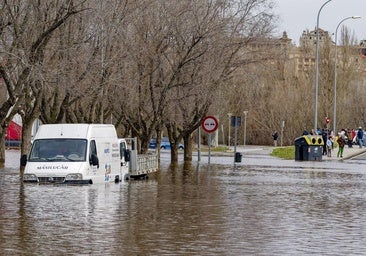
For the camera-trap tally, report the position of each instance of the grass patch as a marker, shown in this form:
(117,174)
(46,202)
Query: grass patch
(220,149)
(284,152)
(204,148)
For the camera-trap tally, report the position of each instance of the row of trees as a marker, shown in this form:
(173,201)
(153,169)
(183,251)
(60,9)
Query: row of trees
(280,90)
(149,66)
(145,66)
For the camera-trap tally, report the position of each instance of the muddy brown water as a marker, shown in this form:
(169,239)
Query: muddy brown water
(259,207)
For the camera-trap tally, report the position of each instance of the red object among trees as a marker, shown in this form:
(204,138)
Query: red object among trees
(14,131)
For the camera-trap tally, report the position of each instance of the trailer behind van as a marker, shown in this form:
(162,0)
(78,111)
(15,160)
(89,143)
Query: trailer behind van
(140,165)
(76,153)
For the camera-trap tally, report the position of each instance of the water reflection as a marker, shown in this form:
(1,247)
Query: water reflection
(252,210)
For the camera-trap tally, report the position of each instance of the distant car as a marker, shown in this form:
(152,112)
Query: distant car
(152,144)
(164,144)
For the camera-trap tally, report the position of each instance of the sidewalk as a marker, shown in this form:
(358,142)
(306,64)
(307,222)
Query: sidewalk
(348,153)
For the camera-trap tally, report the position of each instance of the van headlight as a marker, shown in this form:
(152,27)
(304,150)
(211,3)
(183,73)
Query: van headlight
(73,176)
(29,177)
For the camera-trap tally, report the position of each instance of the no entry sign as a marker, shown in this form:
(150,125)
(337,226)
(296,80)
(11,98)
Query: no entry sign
(209,124)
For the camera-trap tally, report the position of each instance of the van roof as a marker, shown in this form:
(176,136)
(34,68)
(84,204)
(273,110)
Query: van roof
(80,131)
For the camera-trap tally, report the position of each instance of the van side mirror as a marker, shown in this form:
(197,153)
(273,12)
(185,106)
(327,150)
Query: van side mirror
(127,155)
(94,160)
(23,160)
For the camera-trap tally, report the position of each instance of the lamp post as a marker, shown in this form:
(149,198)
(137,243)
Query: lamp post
(335,73)
(228,141)
(317,68)
(245,126)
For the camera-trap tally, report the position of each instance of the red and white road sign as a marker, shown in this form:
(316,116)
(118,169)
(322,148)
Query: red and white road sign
(210,124)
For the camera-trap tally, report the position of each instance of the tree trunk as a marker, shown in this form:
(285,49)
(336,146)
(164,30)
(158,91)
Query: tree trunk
(173,154)
(26,137)
(174,142)
(187,147)
(144,145)
(187,166)
(158,140)
(2,146)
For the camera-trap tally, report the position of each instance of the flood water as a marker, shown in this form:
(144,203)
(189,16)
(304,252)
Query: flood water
(262,206)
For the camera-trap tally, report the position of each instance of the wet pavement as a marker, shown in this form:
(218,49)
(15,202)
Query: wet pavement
(348,152)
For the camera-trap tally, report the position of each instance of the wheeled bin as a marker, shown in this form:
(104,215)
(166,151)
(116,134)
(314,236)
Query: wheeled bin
(238,157)
(309,148)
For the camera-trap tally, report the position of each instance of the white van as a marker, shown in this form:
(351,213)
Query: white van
(76,153)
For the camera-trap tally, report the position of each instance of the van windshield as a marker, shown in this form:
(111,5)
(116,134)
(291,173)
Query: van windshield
(63,150)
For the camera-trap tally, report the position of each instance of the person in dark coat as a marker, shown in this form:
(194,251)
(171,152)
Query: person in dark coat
(325,138)
(275,138)
(360,136)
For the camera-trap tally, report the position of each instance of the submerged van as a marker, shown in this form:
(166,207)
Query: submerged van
(76,153)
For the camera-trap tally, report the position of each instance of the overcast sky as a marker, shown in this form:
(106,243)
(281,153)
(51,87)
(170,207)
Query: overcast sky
(298,15)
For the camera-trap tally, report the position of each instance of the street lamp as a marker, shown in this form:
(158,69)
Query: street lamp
(245,126)
(335,72)
(228,141)
(317,68)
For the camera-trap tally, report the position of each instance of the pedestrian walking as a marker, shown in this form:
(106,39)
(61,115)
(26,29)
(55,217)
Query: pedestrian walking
(360,136)
(329,144)
(275,138)
(325,138)
(341,142)
(349,138)
(353,135)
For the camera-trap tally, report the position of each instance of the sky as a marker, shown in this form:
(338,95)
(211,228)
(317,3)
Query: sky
(299,15)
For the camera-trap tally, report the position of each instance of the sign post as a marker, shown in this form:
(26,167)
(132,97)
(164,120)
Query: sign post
(209,124)
(235,122)
(282,127)
(327,121)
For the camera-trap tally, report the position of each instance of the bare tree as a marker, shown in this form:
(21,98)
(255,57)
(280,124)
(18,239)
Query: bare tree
(28,28)
(178,55)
